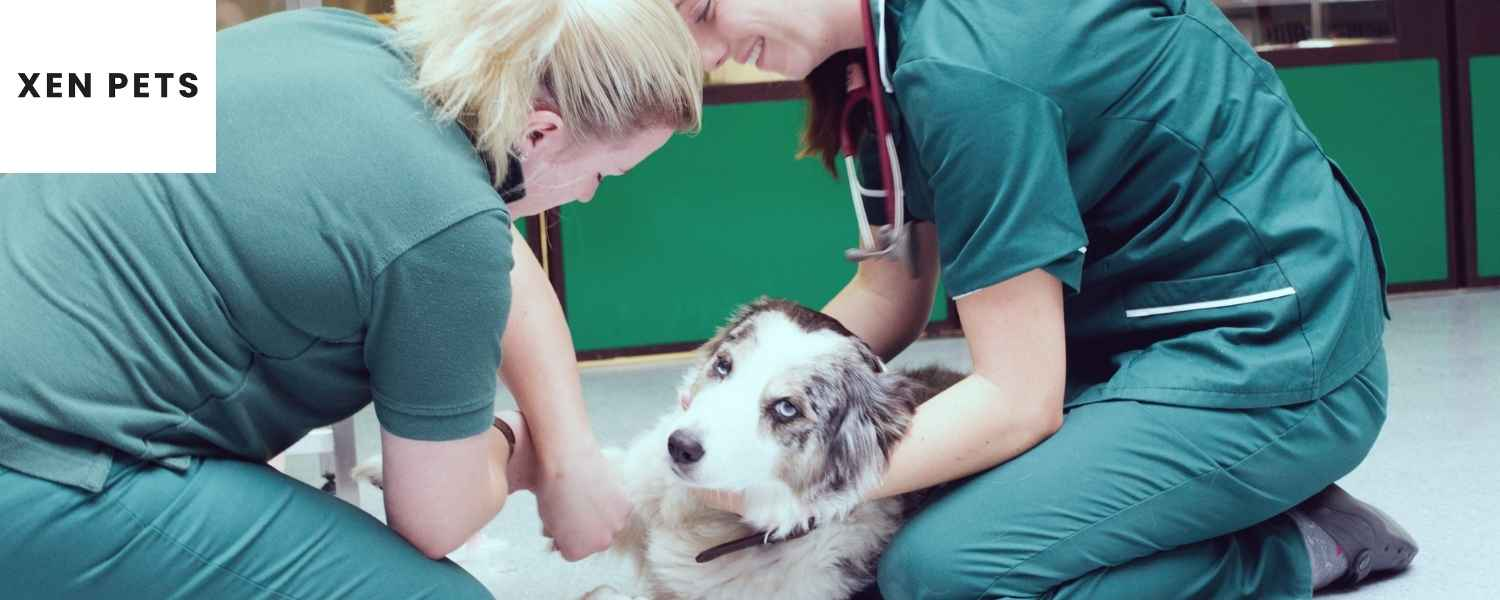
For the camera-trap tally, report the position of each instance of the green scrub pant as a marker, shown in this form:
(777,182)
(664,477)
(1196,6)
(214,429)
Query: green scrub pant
(224,529)
(1140,500)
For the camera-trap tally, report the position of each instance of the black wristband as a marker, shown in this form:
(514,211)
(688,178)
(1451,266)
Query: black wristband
(505,430)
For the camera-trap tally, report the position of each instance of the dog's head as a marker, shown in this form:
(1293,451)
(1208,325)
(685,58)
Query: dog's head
(786,403)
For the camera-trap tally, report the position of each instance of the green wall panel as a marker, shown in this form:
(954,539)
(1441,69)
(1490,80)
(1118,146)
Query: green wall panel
(1383,123)
(1484,84)
(706,224)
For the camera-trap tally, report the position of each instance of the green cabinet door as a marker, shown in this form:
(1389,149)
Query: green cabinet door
(1484,73)
(1383,123)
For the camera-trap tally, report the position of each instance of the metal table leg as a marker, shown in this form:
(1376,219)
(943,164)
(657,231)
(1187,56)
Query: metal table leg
(344,459)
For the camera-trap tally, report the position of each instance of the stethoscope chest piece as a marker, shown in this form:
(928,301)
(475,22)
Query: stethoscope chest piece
(891,243)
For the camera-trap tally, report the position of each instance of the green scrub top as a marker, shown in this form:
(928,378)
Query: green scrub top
(349,249)
(1141,152)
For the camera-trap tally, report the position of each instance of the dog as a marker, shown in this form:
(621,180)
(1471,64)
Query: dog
(787,406)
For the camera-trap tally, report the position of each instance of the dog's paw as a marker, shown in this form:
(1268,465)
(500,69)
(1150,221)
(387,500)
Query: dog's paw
(372,471)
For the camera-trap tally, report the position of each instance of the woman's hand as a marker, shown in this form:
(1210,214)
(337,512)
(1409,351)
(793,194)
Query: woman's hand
(582,504)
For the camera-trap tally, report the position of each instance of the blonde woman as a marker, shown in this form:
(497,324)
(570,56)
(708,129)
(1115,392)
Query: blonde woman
(164,335)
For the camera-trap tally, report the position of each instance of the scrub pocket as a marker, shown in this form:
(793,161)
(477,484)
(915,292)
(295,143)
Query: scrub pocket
(1218,293)
(1232,340)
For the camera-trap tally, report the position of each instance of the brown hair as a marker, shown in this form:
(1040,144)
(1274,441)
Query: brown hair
(827,87)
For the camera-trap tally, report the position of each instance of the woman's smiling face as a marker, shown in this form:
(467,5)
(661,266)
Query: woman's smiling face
(787,37)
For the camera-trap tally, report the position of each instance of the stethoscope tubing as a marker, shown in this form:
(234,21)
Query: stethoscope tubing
(892,187)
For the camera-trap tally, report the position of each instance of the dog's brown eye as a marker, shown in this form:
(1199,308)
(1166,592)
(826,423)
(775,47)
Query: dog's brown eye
(785,410)
(722,366)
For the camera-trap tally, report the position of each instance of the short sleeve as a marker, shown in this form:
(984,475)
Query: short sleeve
(433,339)
(995,154)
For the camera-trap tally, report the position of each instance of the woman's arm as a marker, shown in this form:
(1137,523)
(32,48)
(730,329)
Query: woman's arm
(1011,402)
(540,367)
(883,304)
(431,347)
(579,494)
(438,494)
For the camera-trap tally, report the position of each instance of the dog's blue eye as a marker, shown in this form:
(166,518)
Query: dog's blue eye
(722,366)
(786,410)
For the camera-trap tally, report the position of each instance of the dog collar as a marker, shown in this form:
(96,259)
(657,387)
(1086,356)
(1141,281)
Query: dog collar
(759,538)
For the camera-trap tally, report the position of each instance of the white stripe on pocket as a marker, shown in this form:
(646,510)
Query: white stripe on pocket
(1136,313)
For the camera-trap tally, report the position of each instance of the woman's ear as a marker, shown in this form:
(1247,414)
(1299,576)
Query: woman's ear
(545,134)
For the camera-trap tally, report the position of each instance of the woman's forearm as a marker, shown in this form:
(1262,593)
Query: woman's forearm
(885,324)
(1012,402)
(972,426)
(540,368)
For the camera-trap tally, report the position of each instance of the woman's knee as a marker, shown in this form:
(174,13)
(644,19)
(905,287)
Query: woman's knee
(911,568)
(928,565)
(1353,415)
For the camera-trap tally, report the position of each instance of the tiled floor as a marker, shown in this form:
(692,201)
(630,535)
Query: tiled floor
(1434,467)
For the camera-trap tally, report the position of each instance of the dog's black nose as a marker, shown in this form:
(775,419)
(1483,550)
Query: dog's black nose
(684,447)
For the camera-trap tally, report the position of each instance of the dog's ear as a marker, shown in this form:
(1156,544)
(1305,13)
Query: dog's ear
(892,407)
(874,416)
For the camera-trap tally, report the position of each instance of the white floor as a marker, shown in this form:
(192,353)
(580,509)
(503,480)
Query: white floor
(1433,469)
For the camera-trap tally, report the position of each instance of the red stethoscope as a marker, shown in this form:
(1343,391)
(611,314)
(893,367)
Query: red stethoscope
(891,241)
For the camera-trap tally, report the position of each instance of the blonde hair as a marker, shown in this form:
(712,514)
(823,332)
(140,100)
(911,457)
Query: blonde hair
(610,68)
